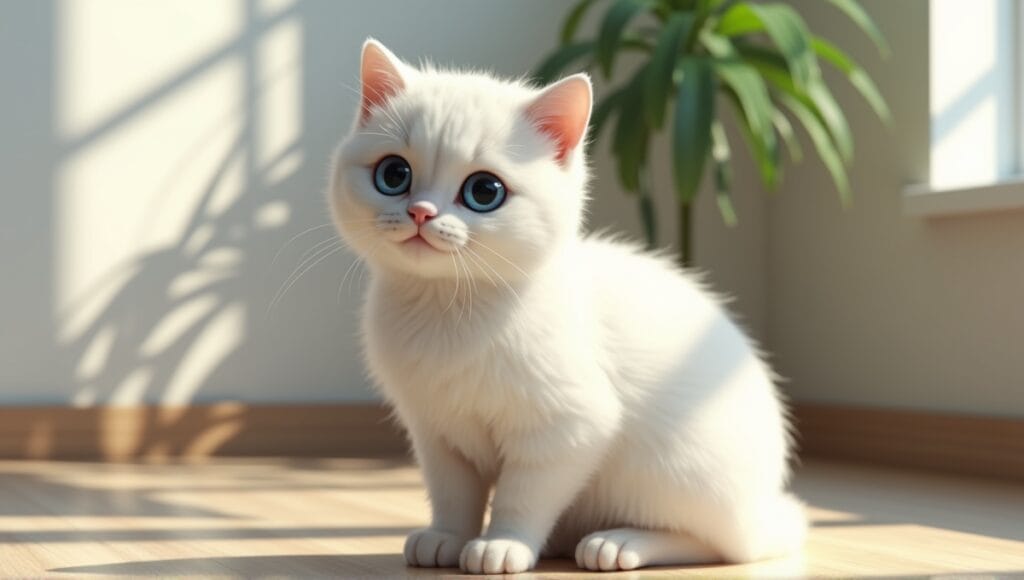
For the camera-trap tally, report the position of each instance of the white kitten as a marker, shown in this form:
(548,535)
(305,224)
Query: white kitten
(613,407)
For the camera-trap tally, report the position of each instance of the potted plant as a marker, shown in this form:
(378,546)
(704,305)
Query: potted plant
(760,56)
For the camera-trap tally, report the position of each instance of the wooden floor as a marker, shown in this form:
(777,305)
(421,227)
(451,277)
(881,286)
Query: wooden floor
(347,518)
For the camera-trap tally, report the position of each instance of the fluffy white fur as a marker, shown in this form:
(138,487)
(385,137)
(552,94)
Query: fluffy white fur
(616,412)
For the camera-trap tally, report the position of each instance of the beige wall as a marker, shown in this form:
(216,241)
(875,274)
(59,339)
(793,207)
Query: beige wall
(158,155)
(871,306)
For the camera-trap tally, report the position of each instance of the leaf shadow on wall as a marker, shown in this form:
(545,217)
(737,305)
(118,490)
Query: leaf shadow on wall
(188,321)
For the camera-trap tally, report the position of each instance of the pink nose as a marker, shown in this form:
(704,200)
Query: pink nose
(421,211)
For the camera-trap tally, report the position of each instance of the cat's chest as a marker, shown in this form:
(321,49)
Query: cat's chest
(429,343)
(410,346)
(484,364)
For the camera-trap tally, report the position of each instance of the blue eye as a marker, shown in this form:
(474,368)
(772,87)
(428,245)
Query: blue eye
(393,176)
(483,192)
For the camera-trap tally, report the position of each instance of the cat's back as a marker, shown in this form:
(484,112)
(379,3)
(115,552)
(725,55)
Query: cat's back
(643,283)
(652,314)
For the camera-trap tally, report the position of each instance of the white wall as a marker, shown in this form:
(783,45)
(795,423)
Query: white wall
(871,306)
(158,155)
(151,150)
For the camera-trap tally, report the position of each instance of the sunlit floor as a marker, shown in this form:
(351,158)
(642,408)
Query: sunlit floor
(345,518)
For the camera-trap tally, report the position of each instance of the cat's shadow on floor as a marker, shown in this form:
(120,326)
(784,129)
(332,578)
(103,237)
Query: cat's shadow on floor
(391,566)
(306,565)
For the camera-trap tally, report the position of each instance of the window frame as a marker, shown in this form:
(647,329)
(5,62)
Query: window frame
(1000,184)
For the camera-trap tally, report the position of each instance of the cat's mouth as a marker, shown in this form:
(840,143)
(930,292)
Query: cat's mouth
(417,241)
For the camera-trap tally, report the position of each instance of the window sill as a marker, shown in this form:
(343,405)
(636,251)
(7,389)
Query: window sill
(926,201)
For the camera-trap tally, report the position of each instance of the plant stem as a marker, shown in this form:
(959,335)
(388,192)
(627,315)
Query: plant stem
(685,235)
(647,207)
(647,215)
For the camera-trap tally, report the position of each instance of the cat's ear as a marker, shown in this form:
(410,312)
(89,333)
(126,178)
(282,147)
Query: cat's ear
(562,112)
(382,76)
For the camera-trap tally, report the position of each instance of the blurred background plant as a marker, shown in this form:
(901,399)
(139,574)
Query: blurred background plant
(760,56)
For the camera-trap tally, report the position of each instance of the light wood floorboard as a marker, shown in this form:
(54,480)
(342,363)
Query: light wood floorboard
(348,518)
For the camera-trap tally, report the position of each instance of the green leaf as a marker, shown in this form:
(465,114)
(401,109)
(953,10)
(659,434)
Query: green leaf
(704,9)
(662,65)
(756,114)
(856,75)
(767,158)
(559,60)
(834,118)
(556,62)
(790,34)
(739,20)
(785,129)
(709,6)
(815,97)
(750,94)
(647,212)
(744,79)
(573,20)
(854,11)
(722,157)
(694,113)
(663,10)
(612,28)
(631,134)
(786,29)
(826,150)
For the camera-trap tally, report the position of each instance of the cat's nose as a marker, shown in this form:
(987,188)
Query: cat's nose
(421,211)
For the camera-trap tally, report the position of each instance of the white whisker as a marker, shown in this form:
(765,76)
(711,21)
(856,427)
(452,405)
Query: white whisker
(295,237)
(456,291)
(388,135)
(469,288)
(474,258)
(498,274)
(281,294)
(387,108)
(348,271)
(360,263)
(316,248)
(498,254)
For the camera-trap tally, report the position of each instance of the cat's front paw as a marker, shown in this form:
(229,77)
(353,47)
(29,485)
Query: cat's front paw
(497,556)
(430,548)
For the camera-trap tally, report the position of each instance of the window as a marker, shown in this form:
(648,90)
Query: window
(977,117)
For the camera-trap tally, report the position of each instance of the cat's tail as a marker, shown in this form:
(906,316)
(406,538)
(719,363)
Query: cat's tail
(779,529)
(784,529)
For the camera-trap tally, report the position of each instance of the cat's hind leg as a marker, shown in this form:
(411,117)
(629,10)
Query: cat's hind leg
(775,528)
(631,548)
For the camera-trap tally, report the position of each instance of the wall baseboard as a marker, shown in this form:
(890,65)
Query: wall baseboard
(963,444)
(222,429)
(972,445)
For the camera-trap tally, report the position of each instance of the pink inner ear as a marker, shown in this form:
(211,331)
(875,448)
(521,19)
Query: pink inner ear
(381,80)
(561,112)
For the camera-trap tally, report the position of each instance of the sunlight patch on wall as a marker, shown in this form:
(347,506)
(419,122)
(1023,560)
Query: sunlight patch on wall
(176,121)
(273,215)
(119,54)
(132,390)
(205,353)
(85,396)
(173,327)
(135,186)
(137,190)
(279,106)
(96,356)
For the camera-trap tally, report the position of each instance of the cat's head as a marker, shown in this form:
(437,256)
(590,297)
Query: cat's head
(449,174)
